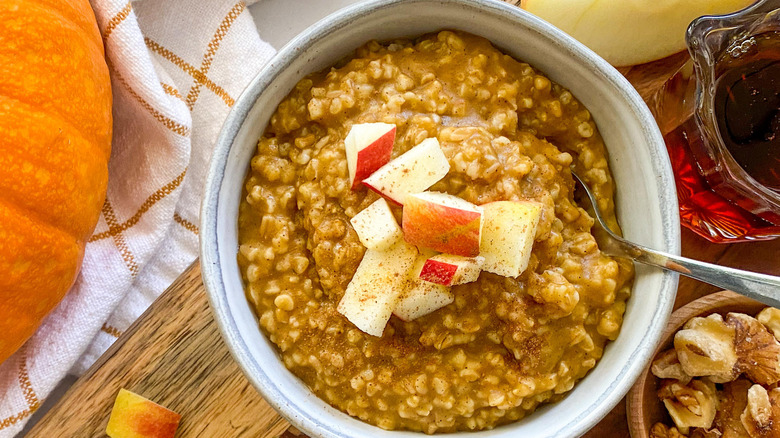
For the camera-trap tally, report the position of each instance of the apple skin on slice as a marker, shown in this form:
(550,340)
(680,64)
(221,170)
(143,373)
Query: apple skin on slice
(373,293)
(416,170)
(451,270)
(376,226)
(369,147)
(421,297)
(508,236)
(134,416)
(442,222)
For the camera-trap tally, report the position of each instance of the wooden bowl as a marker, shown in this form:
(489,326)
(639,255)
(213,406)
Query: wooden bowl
(643,408)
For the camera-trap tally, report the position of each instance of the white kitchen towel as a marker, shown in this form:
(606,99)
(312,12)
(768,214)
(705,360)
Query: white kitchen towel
(177,67)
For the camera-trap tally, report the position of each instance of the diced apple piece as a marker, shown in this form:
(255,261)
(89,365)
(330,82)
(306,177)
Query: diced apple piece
(451,270)
(369,147)
(421,297)
(508,236)
(442,222)
(376,226)
(419,168)
(373,293)
(134,416)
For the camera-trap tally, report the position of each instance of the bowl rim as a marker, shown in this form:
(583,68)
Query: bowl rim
(210,260)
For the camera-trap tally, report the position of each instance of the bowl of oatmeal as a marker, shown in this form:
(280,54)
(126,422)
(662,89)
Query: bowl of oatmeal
(542,344)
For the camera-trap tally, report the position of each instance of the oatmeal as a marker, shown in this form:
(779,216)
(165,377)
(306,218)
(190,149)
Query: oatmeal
(505,345)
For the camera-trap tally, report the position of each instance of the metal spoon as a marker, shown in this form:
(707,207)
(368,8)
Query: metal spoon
(761,287)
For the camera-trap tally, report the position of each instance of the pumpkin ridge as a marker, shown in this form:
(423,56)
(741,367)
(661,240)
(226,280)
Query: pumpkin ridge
(41,216)
(39,220)
(50,168)
(39,264)
(78,72)
(88,26)
(92,33)
(105,151)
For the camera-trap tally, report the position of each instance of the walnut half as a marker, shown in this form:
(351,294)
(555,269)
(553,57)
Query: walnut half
(758,351)
(660,430)
(667,366)
(706,433)
(691,405)
(705,347)
(761,417)
(770,317)
(731,403)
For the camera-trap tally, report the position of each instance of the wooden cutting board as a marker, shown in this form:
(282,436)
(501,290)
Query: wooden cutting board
(174,353)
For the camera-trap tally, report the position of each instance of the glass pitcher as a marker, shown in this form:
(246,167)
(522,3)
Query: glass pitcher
(720,115)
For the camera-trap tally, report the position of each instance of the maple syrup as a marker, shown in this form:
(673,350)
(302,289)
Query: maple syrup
(725,153)
(747,109)
(705,211)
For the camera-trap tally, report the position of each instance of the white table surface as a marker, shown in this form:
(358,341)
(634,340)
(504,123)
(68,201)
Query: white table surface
(278,21)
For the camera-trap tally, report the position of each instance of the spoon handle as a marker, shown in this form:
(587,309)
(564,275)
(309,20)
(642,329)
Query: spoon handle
(760,287)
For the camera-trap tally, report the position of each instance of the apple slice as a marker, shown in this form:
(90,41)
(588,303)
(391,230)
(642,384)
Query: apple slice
(419,168)
(373,293)
(451,270)
(369,147)
(421,297)
(376,226)
(134,416)
(629,32)
(442,222)
(508,236)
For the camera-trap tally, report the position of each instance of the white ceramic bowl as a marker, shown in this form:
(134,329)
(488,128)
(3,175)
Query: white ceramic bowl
(646,201)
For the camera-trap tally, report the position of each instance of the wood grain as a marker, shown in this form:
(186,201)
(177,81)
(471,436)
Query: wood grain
(175,356)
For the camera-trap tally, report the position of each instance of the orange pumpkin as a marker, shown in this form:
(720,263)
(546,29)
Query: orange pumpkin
(55,141)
